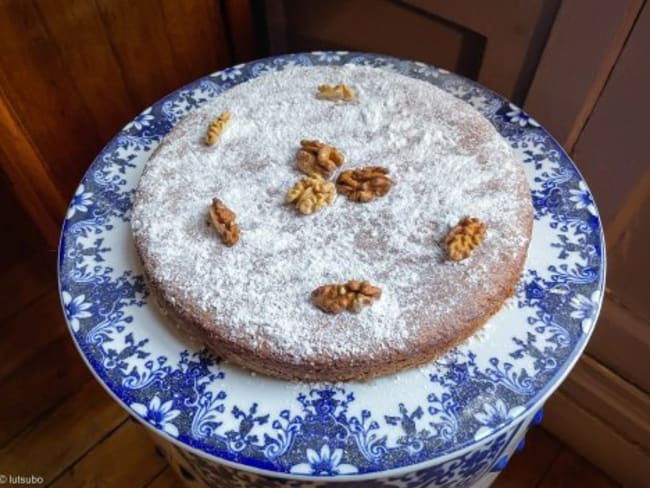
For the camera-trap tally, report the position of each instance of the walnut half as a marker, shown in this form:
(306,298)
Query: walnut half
(317,158)
(351,296)
(464,238)
(336,93)
(364,184)
(311,194)
(223,220)
(216,128)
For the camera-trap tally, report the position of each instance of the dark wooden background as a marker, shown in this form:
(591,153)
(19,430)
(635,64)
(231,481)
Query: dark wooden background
(73,72)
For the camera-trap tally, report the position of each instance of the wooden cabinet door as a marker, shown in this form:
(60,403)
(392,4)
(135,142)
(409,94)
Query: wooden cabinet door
(73,72)
(613,152)
(496,43)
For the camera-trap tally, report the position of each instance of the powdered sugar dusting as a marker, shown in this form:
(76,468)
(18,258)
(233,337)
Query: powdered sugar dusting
(446,161)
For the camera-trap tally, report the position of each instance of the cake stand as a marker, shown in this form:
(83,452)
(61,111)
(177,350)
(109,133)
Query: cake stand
(453,422)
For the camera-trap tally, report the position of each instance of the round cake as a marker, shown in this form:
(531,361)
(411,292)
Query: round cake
(252,302)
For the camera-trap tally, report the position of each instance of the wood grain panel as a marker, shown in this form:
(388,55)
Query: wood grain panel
(618,330)
(44,94)
(597,442)
(137,35)
(26,281)
(26,239)
(569,470)
(107,466)
(30,328)
(629,266)
(525,469)
(77,30)
(381,26)
(62,437)
(174,55)
(515,32)
(198,40)
(29,173)
(241,25)
(614,146)
(613,152)
(619,404)
(73,72)
(166,479)
(498,45)
(55,372)
(577,60)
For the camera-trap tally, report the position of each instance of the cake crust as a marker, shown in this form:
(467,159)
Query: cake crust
(215,294)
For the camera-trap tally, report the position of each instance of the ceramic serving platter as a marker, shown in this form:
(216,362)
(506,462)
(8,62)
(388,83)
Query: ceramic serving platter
(404,422)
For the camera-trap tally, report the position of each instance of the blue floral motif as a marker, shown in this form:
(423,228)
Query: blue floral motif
(460,471)
(426,70)
(80,201)
(229,74)
(141,121)
(494,415)
(75,308)
(323,463)
(585,309)
(517,116)
(329,56)
(158,414)
(280,63)
(323,430)
(583,199)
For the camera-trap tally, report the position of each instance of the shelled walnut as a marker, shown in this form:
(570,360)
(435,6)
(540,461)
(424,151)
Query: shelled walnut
(336,93)
(351,296)
(223,220)
(318,158)
(216,128)
(364,184)
(311,194)
(464,238)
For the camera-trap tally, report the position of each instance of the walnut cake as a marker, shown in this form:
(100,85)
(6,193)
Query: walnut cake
(332,234)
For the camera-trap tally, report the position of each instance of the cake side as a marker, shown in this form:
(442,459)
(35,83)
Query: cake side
(272,363)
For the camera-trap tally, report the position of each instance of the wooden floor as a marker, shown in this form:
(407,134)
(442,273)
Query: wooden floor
(56,422)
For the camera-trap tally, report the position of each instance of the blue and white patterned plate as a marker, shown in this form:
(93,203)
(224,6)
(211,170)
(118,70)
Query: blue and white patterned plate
(407,421)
